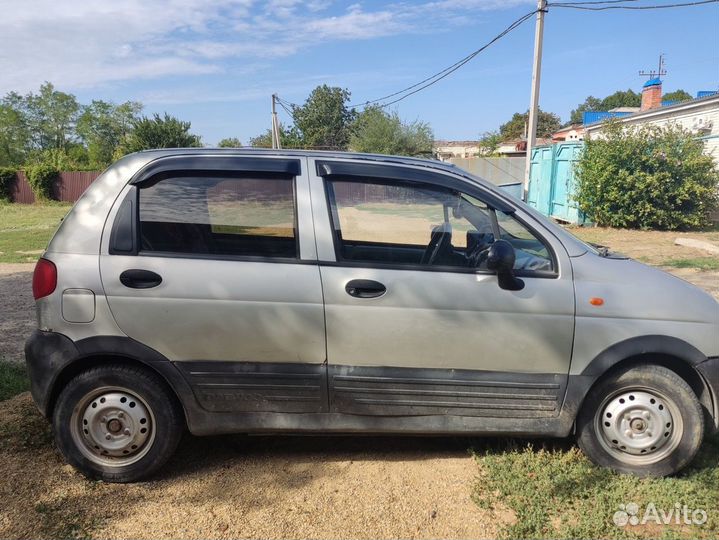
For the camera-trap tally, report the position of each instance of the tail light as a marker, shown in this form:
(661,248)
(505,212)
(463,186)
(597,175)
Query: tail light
(44,279)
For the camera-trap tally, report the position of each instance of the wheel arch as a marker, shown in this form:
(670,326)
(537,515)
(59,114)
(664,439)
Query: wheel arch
(672,353)
(102,350)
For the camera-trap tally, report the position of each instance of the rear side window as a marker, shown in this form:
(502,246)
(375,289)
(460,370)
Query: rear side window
(247,216)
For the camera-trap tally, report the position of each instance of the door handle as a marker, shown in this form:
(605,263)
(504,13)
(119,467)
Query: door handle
(365,288)
(140,279)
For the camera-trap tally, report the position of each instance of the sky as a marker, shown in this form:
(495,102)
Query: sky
(216,63)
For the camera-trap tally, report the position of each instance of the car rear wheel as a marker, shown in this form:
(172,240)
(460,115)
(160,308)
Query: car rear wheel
(117,423)
(643,420)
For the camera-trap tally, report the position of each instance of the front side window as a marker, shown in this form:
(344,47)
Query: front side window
(531,252)
(246,216)
(378,221)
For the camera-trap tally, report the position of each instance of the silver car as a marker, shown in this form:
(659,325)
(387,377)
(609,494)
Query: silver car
(284,291)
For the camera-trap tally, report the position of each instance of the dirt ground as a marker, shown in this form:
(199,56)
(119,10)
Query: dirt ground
(17,309)
(653,247)
(254,487)
(245,487)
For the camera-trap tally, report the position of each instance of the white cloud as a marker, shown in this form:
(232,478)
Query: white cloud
(85,43)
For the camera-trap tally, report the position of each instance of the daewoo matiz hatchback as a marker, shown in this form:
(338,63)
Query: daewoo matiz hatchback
(279,291)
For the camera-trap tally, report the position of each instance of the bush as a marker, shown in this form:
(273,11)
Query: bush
(646,177)
(41,178)
(7,179)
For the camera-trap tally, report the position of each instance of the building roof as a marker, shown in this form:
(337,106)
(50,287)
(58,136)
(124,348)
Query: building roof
(656,81)
(570,127)
(594,117)
(625,109)
(665,111)
(706,93)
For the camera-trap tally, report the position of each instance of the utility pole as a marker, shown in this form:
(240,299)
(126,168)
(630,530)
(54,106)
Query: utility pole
(534,100)
(275,125)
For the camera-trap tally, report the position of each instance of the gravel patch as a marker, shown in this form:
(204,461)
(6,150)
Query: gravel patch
(17,309)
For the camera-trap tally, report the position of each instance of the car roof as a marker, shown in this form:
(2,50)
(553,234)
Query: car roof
(249,151)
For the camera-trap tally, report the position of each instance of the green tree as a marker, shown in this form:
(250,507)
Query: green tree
(289,138)
(515,128)
(230,142)
(103,126)
(626,98)
(489,142)
(51,117)
(646,177)
(324,121)
(379,132)
(41,178)
(8,177)
(14,134)
(620,98)
(158,132)
(75,158)
(677,95)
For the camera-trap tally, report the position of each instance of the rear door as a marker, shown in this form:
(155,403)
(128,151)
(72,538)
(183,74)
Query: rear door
(211,261)
(416,324)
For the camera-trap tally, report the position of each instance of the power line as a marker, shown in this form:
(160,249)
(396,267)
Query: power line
(287,103)
(589,5)
(429,81)
(582,5)
(281,103)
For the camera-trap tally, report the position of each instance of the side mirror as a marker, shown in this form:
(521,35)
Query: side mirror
(500,259)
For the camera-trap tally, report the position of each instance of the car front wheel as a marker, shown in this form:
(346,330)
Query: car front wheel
(643,420)
(117,423)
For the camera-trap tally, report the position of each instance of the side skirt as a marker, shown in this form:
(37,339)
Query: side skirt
(294,398)
(337,423)
(395,391)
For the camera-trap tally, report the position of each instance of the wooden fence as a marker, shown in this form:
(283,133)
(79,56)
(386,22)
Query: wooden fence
(68,186)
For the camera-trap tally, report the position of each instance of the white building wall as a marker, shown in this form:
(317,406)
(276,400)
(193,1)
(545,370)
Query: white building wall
(701,118)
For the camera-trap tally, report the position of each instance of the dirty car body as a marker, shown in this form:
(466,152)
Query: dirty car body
(293,291)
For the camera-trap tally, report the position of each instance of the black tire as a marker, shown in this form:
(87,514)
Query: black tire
(110,384)
(676,447)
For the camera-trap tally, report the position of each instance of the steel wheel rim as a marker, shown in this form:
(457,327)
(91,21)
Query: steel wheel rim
(639,426)
(113,426)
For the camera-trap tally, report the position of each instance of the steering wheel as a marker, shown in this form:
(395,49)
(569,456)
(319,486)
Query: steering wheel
(440,239)
(478,255)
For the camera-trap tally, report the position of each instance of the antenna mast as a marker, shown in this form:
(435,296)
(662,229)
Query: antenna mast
(660,72)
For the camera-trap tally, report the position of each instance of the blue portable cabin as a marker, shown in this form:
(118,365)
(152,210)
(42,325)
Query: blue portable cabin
(552,181)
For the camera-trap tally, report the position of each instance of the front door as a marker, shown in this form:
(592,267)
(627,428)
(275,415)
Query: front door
(416,324)
(220,276)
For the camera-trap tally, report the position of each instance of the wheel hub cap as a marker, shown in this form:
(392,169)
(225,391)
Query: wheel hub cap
(637,423)
(115,424)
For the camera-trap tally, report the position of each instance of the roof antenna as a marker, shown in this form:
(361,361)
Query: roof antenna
(658,73)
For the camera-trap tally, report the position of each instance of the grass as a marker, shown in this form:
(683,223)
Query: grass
(27,228)
(701,263)
(555,492)
(13,380)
